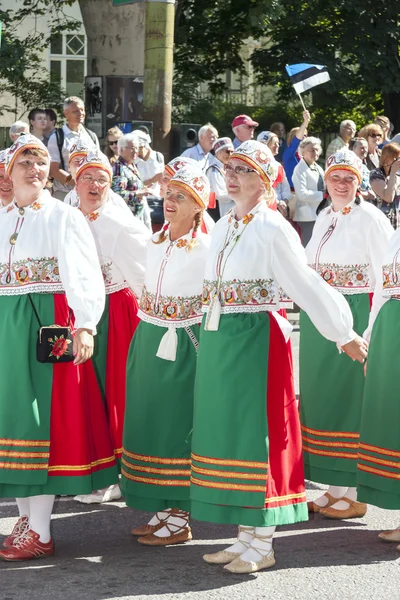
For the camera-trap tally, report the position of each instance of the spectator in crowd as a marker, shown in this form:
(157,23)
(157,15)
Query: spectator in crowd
(385,125)
(37,123)
(279,130)
(126,179)
(308,181)
(18,128)
(373,134)
(150,163)
(291,157)
(347,130)
(243,128)
(111,151)
(208,135)
(360,148)
(61,141)
(223,149)
(281,184)
(385,182)
(6,186)
(51,124)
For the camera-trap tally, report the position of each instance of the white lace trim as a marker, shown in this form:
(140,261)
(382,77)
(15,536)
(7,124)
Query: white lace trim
(245,308)
(32,288)
(116,287)
(349,291)
(169,322)
(389,292)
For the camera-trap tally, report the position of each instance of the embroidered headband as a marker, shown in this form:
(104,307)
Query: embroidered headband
(180,162)
(259,157)
(3,158)
(344,160)
(265,136)
(24,142)
(223,143)
(194,183)
(80,149)
(95,160)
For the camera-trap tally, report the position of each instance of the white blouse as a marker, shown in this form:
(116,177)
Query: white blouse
(173,281)
(72,200)
(47,247)
(121,241)
(346,247)
(251,259)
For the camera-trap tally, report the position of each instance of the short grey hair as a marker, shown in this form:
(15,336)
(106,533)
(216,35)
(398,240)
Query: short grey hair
(126,139)
(18,126)
(313,141)
(207,127)
(72,100)
(348,122)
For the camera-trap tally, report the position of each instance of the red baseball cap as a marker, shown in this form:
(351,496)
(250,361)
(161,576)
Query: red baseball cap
(244,120)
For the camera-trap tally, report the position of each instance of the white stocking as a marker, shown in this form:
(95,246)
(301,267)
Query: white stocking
(333,490)
(244,538)
(259,547)
(23,506)
(41,508)
(178,521)
(351,494)
(160,516)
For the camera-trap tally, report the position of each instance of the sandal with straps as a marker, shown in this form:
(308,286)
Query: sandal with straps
(223,557)
(181,534)
(148,529)
(242,566)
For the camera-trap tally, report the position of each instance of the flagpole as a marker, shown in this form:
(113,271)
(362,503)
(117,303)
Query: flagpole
(301,100)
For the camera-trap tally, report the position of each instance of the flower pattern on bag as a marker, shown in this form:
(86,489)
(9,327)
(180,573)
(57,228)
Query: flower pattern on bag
(346,277)
(59,346)
(170,307)
(252,292)
(30,271)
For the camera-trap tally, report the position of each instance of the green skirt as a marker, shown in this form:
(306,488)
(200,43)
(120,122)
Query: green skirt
(378,476)
(246,458)
(331,392)
(158,421)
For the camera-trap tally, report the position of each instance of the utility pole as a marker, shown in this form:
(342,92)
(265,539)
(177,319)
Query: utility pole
(158,70)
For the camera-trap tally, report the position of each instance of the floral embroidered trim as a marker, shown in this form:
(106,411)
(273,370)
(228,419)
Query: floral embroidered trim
(346,277)
(93,216)
(181,243)
(173,309)
(391,278)
(261,293)
(30,271)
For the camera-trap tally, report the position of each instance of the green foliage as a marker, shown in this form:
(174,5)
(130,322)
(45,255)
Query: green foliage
(21,70)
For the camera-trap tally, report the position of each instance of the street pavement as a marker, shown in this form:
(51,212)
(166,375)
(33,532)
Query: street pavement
(97,558)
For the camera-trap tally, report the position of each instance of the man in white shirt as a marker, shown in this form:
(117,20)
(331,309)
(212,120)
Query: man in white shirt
(61,141)
(208,135)
(150,163)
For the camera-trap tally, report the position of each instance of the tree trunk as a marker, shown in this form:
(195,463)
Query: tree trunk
(392,109)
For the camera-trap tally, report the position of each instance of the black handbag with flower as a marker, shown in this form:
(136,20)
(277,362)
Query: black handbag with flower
(54,343)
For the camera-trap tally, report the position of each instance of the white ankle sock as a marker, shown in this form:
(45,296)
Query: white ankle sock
(175,523)
(351,494)
(259,547)
(160,516)
(23,506)
(333,490)
(41,508)
(244,538)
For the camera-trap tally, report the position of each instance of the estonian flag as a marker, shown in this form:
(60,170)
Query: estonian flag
(305,76)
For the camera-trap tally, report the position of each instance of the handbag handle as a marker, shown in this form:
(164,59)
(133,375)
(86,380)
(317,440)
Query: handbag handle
(37,316)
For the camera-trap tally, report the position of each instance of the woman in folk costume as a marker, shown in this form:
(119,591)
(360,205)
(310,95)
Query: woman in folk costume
(173,167)
(378,474)
(246,450)
(346,250)
(6,186)
(59,443)
(121,241)
(161,366)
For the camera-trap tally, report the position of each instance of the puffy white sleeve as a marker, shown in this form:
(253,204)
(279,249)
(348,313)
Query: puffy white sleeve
(378,240)
(129,253)
(302,187)
(80,270)
(218,185)
(326,307)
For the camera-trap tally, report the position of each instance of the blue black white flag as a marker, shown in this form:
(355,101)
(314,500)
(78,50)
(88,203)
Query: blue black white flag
(305,76)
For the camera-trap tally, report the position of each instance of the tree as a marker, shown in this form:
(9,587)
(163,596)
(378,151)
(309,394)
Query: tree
(357,41)
(22,75)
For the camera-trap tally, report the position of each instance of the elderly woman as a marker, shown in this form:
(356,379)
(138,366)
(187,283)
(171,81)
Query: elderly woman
(346,250)
(121,240)
(360,148)
(37,123)
(281,185)
(59,444)
(385,182)
(126,180)
(18,128)
(308,182)
(374,135)
(223,148)
(246,448)
(6,186)
(378,480)
(111,151)
(162,363)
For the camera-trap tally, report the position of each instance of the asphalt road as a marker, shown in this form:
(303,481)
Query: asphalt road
(97,558)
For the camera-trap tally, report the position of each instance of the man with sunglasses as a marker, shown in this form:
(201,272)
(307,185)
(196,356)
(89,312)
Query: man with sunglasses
(243,127)
(223,149)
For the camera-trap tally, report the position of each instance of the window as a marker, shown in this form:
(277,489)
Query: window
(68,62)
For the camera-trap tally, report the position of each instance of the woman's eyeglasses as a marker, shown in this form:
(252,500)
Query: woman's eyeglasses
(238,170)
(375,135)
